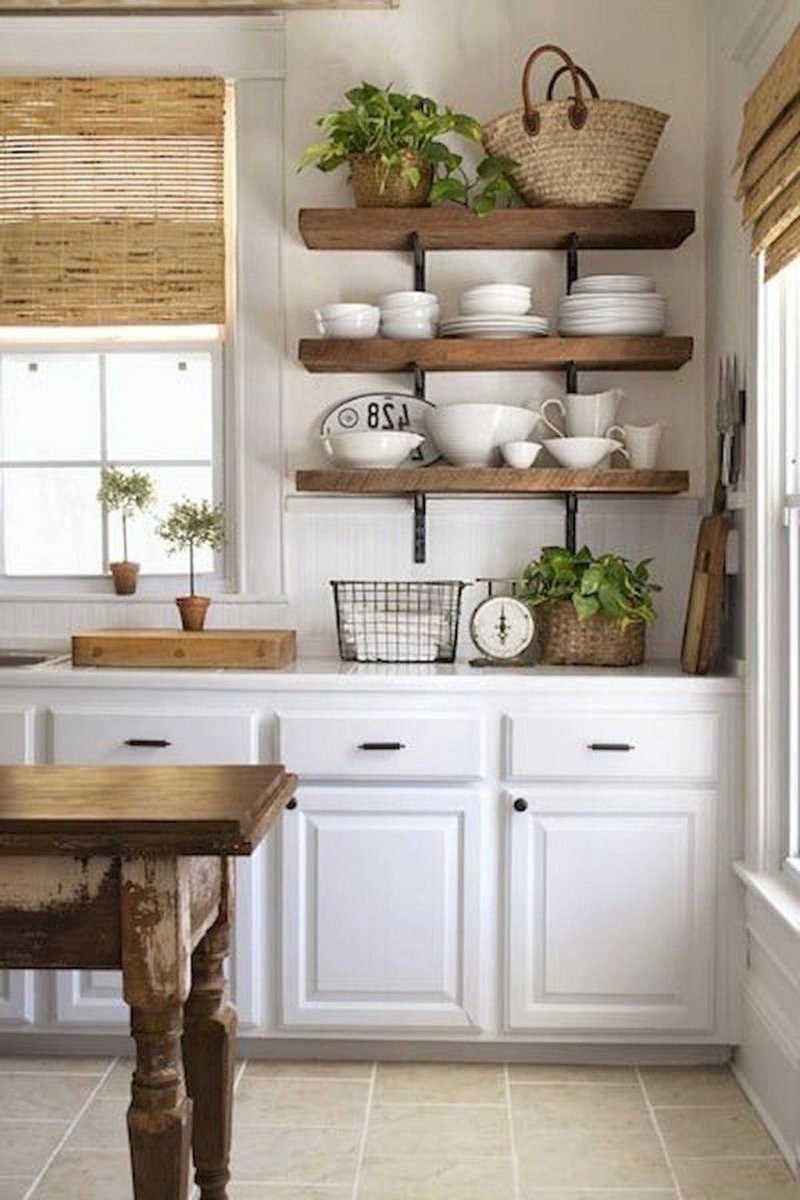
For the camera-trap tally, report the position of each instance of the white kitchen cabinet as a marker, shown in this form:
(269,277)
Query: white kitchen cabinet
(610,909)
(16,749)
(155,736)
(381,909)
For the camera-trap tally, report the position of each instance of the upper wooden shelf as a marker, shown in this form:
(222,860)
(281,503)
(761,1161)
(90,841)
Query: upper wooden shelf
(537,481)
(378,355)
(508,229)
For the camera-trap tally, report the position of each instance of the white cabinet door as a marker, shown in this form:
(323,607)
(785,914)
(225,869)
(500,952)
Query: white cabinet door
(103,735)
(610,910)
(381,909)
(16,749)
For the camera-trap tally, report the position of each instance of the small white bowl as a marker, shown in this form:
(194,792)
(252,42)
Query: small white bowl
(500,305)
(581,453)
(362,321)
(332,312)
(409,299)
(408,326)
(520,455)
(371,448)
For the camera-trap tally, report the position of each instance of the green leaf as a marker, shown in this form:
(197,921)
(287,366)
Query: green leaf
(447,190)
(585,606)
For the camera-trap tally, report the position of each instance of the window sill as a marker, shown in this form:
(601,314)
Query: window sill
(780,890)
(138,600)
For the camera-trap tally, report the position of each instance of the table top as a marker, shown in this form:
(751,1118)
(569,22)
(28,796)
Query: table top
(124,811)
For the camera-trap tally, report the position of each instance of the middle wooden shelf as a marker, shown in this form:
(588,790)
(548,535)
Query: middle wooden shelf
(537,481)
(379,355)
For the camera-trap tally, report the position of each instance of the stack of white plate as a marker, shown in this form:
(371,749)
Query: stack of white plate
(612,304)
(495,327)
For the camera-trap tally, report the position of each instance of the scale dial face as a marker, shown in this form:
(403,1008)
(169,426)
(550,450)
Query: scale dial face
(502,627)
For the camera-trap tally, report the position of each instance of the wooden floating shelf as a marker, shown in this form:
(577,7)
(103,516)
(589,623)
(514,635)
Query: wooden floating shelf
(509,229)
(537,481)
(378,355)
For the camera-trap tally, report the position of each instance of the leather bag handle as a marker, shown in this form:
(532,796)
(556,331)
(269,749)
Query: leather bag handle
(585,76)
(577,112)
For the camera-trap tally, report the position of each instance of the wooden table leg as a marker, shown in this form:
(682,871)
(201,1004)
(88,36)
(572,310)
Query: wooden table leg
(208,1051)
(156,941)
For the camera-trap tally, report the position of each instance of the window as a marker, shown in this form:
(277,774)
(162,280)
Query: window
(68,411)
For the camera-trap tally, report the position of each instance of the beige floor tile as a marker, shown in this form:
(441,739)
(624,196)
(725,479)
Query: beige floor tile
(440,1083)
(261,1101)
(566,1073)
(714,1132)
(285,1191)
(428,1131)
(14,1189)
(286,1155)
(742,1179)
(32,1097)
(60,1066)
(25,1146)
(603,1194)
(102,1127)
(573,1160)
(309,1070)
(436,1179)
(562,1106)
(78,1176)
(119,1079)
(685,1086)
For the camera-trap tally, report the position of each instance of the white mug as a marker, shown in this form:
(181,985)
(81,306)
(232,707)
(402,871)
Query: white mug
(584,416)
(642,443)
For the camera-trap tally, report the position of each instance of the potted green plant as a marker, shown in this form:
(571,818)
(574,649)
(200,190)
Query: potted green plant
(591,611)
(393,144)
(188,525)
(126,492)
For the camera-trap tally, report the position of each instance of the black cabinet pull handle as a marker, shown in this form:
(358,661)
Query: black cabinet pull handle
(614,747)
(292,803)
(382,746)
(521,805)
(158,743)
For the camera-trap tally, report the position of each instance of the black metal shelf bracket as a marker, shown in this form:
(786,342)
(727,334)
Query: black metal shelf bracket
(572,260)
(420,272)
(571,521)
(419,382)
(420,527)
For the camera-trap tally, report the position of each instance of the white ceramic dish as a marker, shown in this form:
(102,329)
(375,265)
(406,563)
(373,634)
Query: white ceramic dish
(613,283)
(520,455)
(620,326)
(408,329)
(469,435)
(500,302)
(487,289)
(409,300)
(581,453)
(371,448)
(363,323)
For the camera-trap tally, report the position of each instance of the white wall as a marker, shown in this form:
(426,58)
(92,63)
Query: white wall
(471,55)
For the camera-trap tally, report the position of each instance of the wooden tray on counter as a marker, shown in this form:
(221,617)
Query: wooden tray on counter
(237,649)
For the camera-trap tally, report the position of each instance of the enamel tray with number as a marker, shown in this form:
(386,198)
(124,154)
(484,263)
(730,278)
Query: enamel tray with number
(385,411)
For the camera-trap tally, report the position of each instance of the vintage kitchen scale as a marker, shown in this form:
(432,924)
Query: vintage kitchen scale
(503,628)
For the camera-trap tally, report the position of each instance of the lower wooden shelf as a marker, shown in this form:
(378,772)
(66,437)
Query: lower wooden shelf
(537,481)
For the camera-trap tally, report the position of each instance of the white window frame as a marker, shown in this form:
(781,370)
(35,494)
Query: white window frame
(148,585)
(249,53)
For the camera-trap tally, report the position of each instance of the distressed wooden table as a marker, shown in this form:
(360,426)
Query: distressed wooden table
(129,867)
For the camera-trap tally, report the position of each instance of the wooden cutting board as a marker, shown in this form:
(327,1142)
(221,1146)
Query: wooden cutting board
(705,596)
(240,649)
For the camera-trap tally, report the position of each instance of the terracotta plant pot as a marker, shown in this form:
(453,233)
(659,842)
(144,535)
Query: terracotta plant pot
(397,192)
(193,611)
(125,576)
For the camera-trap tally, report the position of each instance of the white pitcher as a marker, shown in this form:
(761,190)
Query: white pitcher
(584,415)
(642,442)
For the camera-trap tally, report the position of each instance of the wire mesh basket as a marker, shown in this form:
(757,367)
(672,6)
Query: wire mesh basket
(386,622)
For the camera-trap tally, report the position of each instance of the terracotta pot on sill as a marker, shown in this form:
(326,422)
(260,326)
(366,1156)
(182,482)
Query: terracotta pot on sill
(125,576)
(193,611)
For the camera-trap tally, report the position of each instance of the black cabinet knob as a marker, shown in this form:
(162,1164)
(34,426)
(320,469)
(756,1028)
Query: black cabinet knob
(521,805)
(154,743)
(291,803)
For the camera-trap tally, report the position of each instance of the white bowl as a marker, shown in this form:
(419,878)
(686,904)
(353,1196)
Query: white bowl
(420,312)
(408,325)
(371,448)
(580,453)
(330,312)
(409,299)
(469,435)
(487,288)
(363,323)
(500,304)
(520,454)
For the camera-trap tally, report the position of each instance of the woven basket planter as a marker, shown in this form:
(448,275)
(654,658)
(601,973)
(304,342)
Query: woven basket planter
(565,640)
(578,153)
(398,192)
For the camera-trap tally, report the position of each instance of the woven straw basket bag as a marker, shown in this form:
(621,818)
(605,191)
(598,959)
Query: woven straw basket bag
(577,153)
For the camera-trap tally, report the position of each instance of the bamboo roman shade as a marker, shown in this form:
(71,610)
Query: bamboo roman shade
(112,201)
(769,160)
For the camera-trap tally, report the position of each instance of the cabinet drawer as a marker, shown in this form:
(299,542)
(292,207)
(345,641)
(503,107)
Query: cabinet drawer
(394,746)
(153,738)
(616,745)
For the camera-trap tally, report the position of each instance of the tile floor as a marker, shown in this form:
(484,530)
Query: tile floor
(398,1131)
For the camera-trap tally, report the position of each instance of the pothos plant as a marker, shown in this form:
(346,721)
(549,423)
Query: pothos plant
(403,131)
(190,524)
(128,492)
(607,584)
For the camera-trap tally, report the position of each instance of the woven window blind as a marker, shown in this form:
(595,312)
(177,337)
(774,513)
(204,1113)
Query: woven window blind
(112,201)
(769,161)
